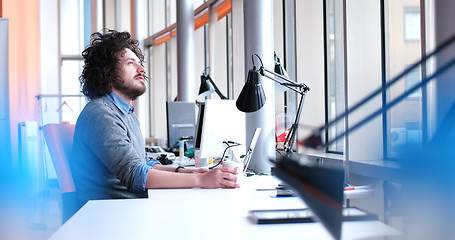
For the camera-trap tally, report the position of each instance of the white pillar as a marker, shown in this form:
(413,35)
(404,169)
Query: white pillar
(185,51)
(139,29)
(258,34)
(290,51)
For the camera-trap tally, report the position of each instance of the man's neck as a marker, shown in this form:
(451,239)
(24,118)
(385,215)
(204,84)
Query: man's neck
(122,96)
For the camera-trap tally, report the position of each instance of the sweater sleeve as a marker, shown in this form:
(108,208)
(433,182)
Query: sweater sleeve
(140,177)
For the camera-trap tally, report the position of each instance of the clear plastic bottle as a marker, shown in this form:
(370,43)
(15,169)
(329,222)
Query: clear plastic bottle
(181,152)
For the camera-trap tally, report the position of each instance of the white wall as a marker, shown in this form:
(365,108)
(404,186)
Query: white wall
(310,61)
(364,76)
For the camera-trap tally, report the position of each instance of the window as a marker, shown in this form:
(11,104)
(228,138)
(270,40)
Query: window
(404,121)
(412,79)
(74,36)
(335,68)
(212,50)
(355,70)
(411,18)
(61,99)
(355,47)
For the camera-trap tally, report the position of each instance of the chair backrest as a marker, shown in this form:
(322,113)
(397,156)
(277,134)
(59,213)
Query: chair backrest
(59,139)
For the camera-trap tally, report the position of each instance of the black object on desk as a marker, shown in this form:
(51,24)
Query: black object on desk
(304,215)
(284,190)
(164,160)
(321,188)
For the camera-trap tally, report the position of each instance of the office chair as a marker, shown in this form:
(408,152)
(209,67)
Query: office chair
(59,139)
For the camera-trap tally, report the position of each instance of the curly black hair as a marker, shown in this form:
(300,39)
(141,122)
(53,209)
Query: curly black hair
(100,61)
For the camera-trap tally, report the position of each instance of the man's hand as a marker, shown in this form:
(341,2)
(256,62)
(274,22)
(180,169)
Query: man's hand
(222,177)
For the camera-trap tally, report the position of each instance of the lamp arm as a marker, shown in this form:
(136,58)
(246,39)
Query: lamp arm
(300,88)
(288,83)
(289,141)
(216,88)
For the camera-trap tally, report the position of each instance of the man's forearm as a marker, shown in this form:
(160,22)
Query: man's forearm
(157,178)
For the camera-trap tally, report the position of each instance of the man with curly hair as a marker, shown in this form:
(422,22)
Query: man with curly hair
(109,150)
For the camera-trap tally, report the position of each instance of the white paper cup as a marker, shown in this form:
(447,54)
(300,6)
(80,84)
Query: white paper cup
(235,165)
(200,162)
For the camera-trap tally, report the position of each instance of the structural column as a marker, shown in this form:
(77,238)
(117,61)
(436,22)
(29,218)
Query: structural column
(289,35)
(185,51)
(258,34)
(444,29)
(139,32)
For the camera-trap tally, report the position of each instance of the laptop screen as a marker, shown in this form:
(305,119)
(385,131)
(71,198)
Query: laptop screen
(249,152)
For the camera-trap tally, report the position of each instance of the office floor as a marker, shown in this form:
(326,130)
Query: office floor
(42,219)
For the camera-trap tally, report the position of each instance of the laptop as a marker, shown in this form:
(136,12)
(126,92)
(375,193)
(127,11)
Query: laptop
(249,152)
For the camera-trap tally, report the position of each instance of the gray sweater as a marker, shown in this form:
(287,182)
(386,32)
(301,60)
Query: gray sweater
(108,147)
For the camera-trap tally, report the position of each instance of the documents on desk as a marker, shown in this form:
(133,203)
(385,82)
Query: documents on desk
(203,214)
(366,191)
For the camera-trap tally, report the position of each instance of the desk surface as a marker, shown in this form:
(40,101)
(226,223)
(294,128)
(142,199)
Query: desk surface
(202,214)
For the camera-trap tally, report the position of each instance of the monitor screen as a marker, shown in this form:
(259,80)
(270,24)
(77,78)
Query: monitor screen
(180,121)
(220,121)
(250,149)
(199,124)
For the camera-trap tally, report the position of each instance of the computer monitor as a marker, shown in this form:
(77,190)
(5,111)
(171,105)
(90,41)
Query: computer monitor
(218,121)
(199,124)
(181,117)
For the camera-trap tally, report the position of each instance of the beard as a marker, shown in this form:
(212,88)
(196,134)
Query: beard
(132,89)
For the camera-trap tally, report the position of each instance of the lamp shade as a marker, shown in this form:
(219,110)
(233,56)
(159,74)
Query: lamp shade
(206,87)
(252,96)
(280,71)
(278,68)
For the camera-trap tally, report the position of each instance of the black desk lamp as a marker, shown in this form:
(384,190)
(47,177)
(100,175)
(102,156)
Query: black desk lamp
(320,187)
(252,96)
(208,86)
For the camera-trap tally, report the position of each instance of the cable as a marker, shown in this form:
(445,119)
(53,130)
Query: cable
(224,152)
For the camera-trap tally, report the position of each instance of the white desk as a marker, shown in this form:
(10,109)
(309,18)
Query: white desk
(202,214)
